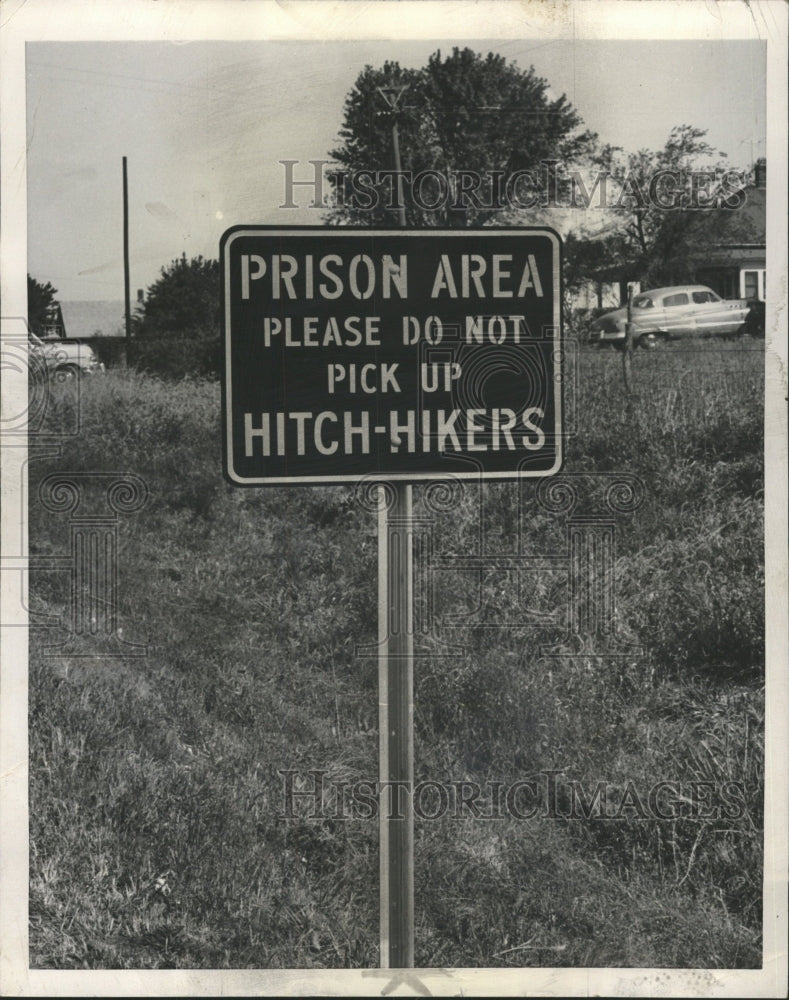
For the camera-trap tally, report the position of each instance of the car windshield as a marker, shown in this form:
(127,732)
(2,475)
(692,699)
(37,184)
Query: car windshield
(642,302)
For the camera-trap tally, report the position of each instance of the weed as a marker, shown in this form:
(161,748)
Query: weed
(157,832)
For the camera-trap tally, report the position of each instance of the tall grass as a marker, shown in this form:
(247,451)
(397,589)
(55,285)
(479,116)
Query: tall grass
(157,836)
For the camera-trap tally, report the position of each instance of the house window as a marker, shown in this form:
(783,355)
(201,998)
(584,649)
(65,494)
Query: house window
(752,284)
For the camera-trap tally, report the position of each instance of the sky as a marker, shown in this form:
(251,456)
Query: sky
(204,125)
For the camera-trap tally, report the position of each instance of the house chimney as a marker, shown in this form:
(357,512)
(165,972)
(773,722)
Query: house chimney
(139,295)
(760,174)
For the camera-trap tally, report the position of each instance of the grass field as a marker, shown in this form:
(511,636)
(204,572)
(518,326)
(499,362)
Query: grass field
(157,836)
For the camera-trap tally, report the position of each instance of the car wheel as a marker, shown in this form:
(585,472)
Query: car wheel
(67,373)
(649,341)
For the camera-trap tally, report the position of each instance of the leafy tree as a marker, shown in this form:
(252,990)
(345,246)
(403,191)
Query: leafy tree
(40,299)
(183,301)
(583,257)
(176,331)
(759,164)
(465,112)
(670,205)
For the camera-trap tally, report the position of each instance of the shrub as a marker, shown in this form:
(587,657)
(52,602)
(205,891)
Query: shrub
(698,604)
(578,322)
(177,355)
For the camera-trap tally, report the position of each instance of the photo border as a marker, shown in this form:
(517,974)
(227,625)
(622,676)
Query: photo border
(23,21)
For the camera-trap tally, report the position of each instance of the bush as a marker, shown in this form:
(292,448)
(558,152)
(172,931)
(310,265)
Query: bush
(177,355)
(578,322)
(699,607)
(111,351)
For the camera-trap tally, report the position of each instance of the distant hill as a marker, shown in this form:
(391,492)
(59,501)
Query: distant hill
(93,319)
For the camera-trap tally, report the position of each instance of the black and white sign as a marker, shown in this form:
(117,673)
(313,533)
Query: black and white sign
(351,353)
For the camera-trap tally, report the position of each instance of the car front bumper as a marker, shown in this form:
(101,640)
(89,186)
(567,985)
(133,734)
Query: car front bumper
(602,337)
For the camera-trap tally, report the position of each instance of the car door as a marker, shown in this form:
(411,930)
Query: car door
(708,311)
(645,316)
(714,315)
(676,314)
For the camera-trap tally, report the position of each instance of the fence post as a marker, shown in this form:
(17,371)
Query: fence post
(627,357)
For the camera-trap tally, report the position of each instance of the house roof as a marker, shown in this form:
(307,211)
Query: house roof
(93,319)
(747,225)
(735,237)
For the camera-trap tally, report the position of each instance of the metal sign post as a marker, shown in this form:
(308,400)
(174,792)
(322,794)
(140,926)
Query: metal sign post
(396,689)
(396,725)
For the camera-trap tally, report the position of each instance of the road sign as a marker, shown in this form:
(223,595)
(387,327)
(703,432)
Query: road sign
(395,355)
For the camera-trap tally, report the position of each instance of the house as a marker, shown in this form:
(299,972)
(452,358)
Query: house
(735,265)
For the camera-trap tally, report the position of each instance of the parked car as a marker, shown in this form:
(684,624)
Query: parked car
(662,314)
(65,358)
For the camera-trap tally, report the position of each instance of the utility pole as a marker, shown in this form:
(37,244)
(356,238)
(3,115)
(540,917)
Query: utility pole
(127,293)
(392,96)
(396,686)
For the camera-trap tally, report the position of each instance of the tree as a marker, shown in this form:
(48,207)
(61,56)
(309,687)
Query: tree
(759,165)
(462,116)
(184,301)
(586,259)
(176,331)
(670,205)
(40,300)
